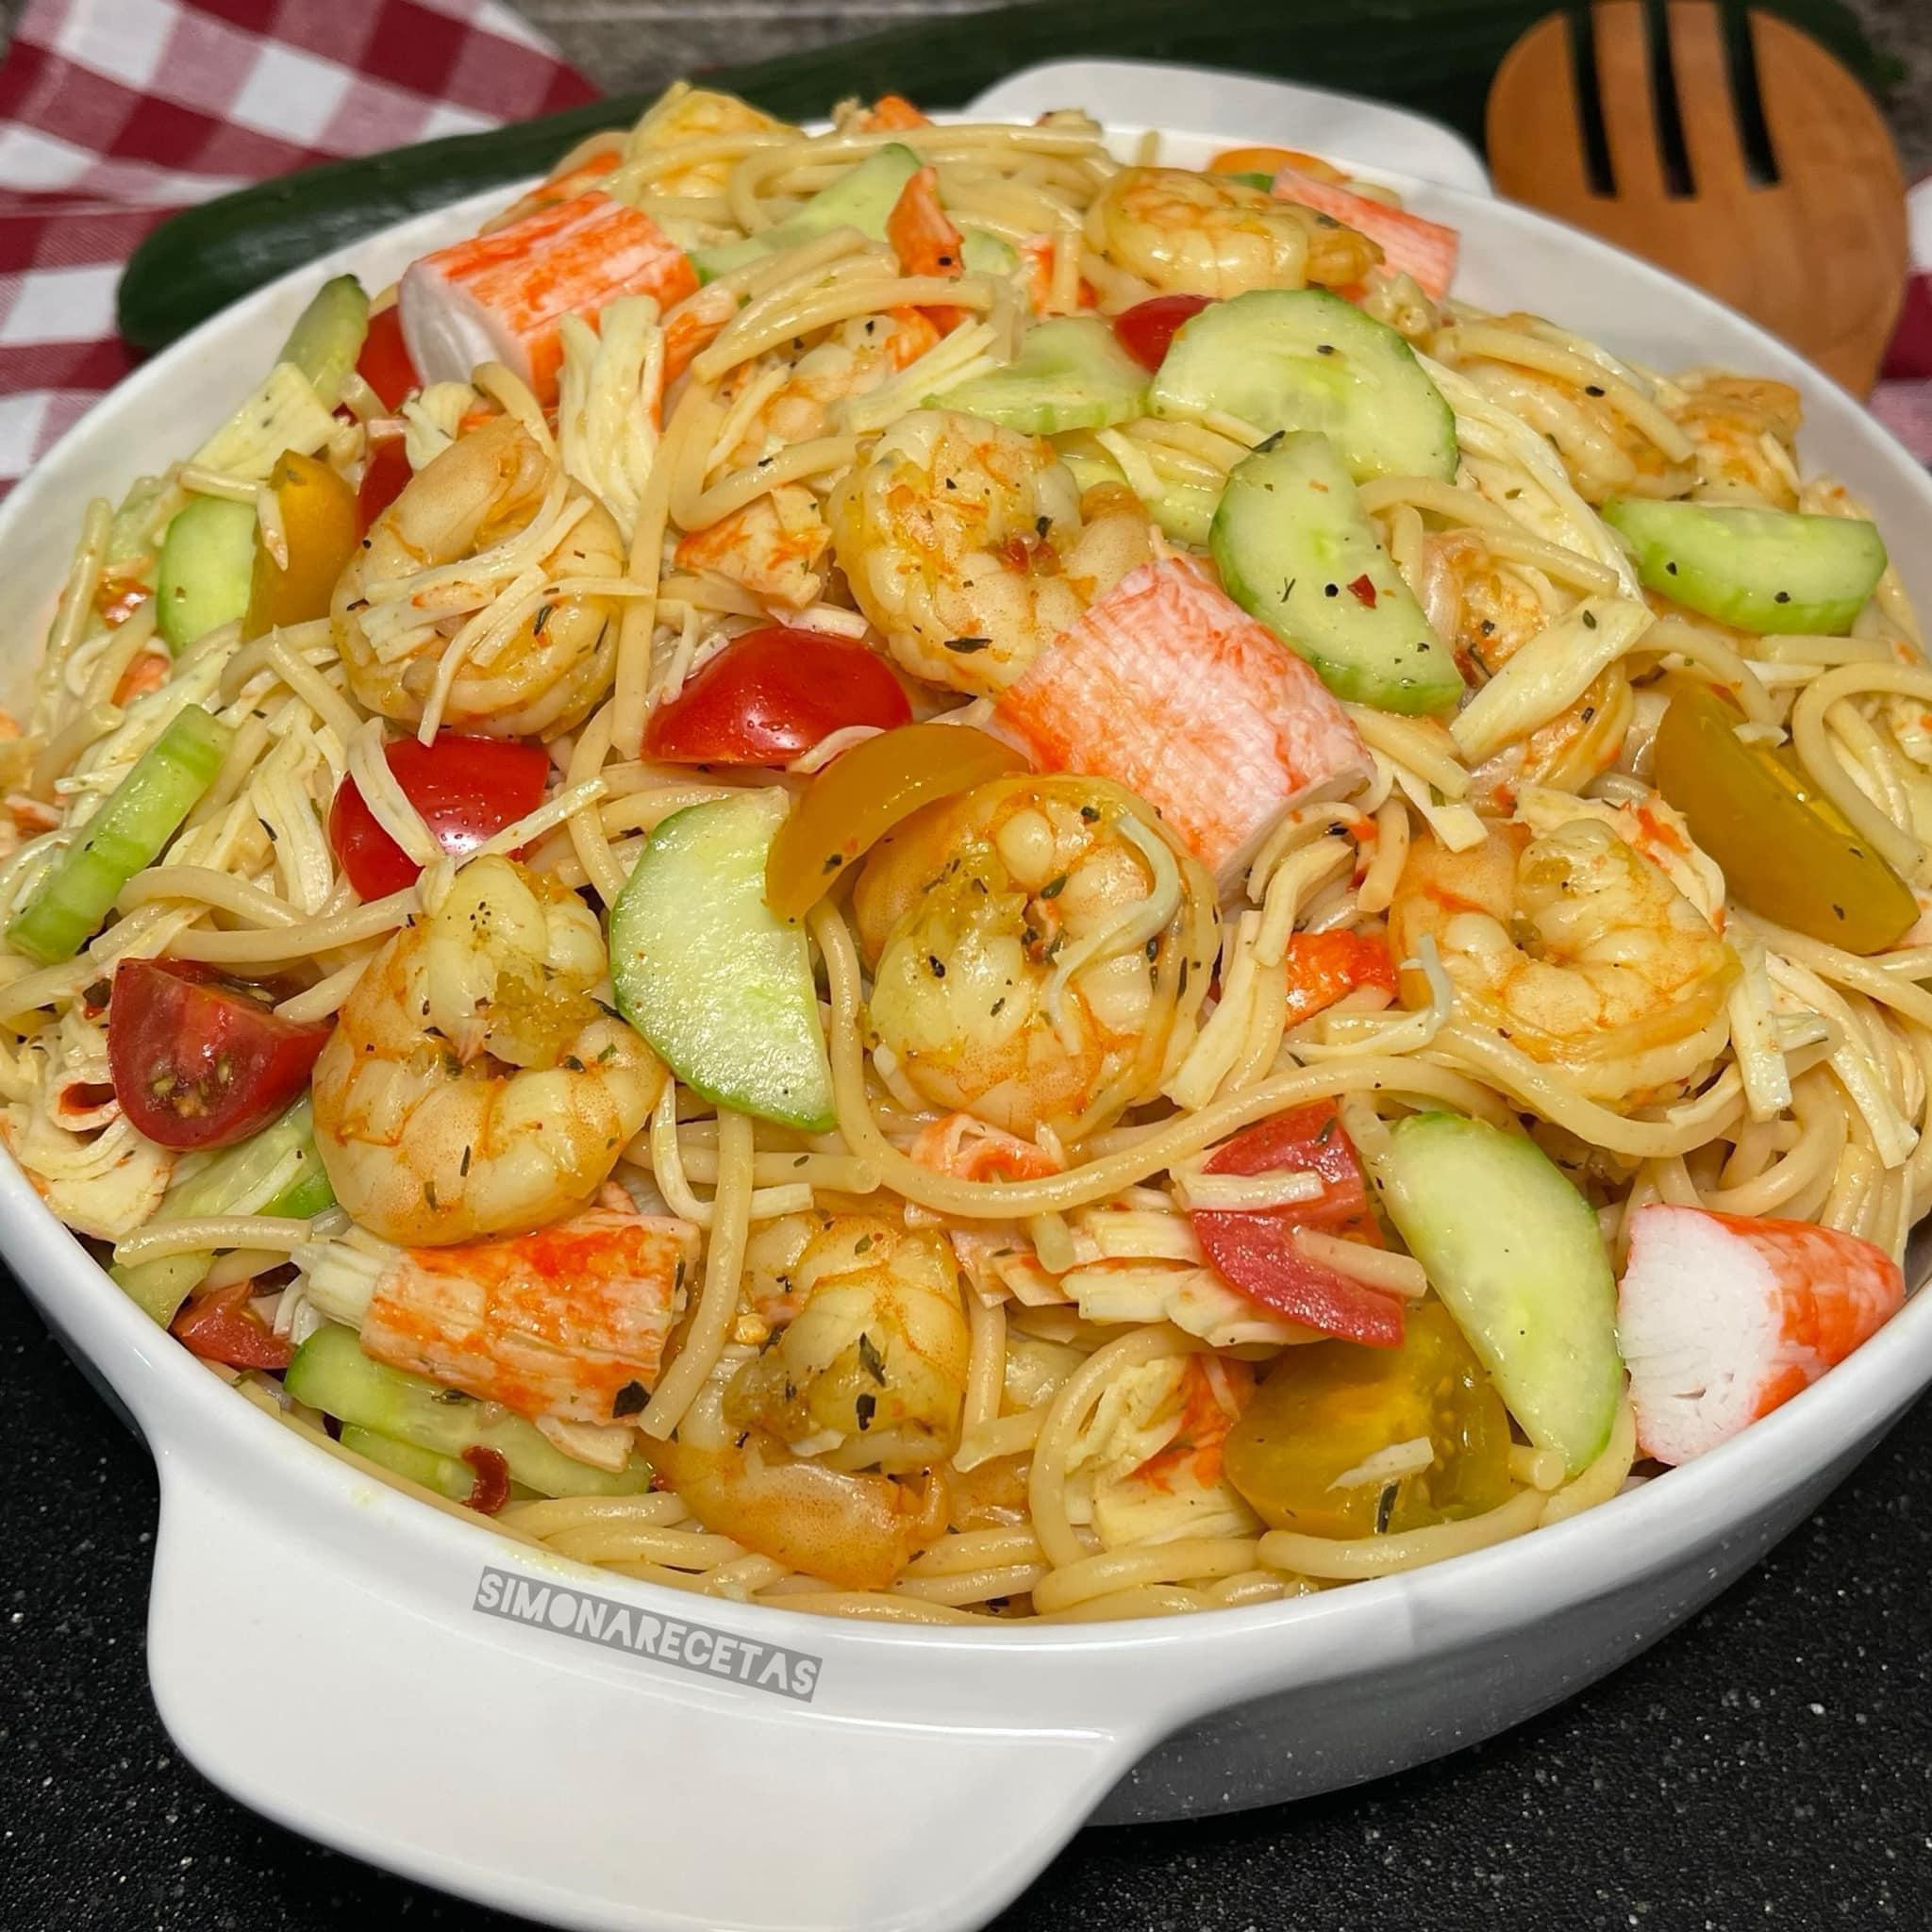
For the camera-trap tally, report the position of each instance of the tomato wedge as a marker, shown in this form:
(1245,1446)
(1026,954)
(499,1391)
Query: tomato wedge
(860,797)
(467,789)
(1255,1249)
(1146,330)
(201,1061)
(771,695)
(221,1327)
(384,363)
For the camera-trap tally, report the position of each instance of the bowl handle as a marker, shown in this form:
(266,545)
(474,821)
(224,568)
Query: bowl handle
(362,1680)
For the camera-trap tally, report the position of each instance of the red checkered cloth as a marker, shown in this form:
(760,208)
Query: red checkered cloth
(113,112)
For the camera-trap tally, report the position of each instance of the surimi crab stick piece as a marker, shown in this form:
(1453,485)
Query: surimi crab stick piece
(1721,1318)
(1168,687)
(566,1323)
(501,297)
(1423,249)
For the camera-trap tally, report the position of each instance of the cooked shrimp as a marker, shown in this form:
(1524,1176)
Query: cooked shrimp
(866,1367)
(848,361)
(773,546)
(696,116)
(1489,613)
(567,1322)
(460,536)
(856,1530)
(1576,947)
(1184,233)
(1744,430)
(972,548)
(1028,944)
(473,1084)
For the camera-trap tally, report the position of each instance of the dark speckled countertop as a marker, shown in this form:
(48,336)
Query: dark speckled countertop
(1769,1765)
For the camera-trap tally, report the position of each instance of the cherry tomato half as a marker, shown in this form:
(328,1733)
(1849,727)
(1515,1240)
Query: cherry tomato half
(1146,329)
(385,476)
(466,789)
(200,1060)
(221,1327)
(1255,1249)
(384,363)
(772,694)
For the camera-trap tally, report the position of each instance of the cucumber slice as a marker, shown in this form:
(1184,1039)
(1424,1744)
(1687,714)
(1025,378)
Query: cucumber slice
(448,1475)
(327,337)
(231,1183)
(1767,571)
(708,975)
(125,835)
(330,1372)
(1072,374)
(1296,550)
(981,254)
(1302,359)
(862,199)
(1516,1254)
(207,563)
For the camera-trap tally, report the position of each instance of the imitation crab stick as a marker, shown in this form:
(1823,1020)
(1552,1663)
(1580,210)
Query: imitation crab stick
(1423,249)
(500,297)
(1722,1318)
(567,1321)
(1167,686)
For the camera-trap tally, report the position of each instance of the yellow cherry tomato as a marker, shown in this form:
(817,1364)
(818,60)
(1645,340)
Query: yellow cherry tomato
(1271,160)
(863,794)
(318,521)
(1326,1409)
(1784,850)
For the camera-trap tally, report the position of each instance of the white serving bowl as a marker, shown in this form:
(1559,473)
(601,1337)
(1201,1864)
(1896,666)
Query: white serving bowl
(322,1647)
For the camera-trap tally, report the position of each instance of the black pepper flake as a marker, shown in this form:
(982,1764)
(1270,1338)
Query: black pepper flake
(871,1359)
(463,1165)
(1054,887)
(1153,947)
(1782,597)
(1589,620)
(1385,1509)
(993,1009)
(835,861)
(1670,569)
(966,646)
(541,618)
(1331,589)
(865,1407)
(936,964)
(861,1244)
(1325,348)
(429,1195)
(1090,813)
(1041,524)
(1287,587)
(629,1400)
(677,1277)
(1488,627)
(1837,911)
(1592,389)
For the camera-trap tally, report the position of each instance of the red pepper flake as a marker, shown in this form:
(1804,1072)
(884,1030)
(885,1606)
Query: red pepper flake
(491,1490)
(1363,591)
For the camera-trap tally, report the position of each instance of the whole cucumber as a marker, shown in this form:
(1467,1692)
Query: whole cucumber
(1433,56)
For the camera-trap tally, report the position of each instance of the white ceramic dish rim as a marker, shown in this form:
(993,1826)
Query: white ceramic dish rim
(271,1554)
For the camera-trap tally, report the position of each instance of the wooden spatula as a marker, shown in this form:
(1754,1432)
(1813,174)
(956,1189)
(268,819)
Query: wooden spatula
(1735,152)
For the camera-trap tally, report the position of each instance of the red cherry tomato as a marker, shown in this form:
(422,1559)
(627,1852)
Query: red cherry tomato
(383,478)
(772,694)
(1255,1249)
(221,1327)
(1145,330)
(384,363)
(199,1060)
(467,789)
